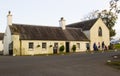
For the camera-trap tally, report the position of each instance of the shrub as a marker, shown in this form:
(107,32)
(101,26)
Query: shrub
(50,45)
(38,45)
(74,48)
(61,49)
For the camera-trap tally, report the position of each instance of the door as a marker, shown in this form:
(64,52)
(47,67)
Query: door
(11,48)
(55,48)
(67,47)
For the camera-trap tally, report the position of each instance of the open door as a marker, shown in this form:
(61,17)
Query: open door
(67,47)
(11,48)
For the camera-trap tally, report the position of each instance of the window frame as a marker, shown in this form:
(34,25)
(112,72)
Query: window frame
(31,45)
(100,32)
(78,46)
(44,45)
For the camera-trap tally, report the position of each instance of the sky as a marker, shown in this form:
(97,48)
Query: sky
(49,12)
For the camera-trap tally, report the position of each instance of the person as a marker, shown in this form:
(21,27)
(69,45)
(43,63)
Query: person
(98,45)
(106,47)
(55,49)
(95,47)
(103,46)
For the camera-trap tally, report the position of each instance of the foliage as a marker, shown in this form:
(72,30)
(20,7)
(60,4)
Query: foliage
(109,16)
(117,46)
(50,45)
(61,49)
(38,45)
(74,48)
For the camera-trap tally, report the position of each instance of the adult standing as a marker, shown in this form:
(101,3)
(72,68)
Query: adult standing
(103,45)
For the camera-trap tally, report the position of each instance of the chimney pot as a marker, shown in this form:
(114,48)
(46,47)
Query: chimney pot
(9,18)
(62,23)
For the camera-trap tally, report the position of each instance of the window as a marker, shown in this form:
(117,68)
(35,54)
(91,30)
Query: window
(31,45)
(99,31)
(44,45)
(78,46)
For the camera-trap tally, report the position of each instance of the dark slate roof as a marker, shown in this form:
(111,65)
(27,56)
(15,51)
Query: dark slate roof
(32,32)
(84,25)
(1,36)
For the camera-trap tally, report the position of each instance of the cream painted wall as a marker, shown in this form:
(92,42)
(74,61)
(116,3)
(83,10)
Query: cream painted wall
(16,45)
(82,46)
(22,47)
(1,45)
(38,50)
(7,40)
(94,38)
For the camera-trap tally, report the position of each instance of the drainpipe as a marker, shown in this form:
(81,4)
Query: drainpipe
(20,48)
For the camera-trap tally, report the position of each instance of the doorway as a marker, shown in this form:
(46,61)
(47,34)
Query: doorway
(67,47)
(55,48)
(11,48)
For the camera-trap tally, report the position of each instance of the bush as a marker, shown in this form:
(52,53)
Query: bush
(61,49)
(74,48)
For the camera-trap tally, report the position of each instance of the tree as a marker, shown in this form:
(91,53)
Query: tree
(109,16)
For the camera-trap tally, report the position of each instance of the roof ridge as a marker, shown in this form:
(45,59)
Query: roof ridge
(82,21)
(33,25)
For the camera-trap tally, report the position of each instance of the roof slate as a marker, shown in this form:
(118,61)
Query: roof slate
(84,25)
(32,32)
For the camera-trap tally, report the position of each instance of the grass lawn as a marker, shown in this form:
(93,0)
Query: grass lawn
(117,46)
(114,62)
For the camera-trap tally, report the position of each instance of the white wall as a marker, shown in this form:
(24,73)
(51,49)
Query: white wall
(39,50)
(1,45)
(23,46)
(94,38)
(82,45)
(7,40)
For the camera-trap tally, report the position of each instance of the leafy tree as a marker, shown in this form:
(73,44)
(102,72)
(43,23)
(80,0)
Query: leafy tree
(109,16)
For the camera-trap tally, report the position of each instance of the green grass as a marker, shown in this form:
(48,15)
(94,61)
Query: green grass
(115,64)
(117,46)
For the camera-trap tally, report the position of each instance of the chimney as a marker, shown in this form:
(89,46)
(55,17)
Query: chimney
(9,18)
(62,23)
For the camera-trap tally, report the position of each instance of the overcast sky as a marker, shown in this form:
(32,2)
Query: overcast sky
(48,12)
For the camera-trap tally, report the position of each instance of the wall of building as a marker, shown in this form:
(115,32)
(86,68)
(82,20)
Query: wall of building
(81,48)
(22,47)
(39,50)
(94,38)
(16,45)
(7,40)
(1,45)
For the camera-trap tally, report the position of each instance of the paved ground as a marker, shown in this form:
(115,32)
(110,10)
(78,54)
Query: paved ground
(60,65)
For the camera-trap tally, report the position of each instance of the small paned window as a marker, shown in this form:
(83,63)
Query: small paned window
(44,45)
(100,31)
(31,44)
(78,46)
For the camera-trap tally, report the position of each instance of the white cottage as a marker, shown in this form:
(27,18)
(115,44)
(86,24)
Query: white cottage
(24,39)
